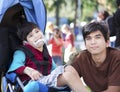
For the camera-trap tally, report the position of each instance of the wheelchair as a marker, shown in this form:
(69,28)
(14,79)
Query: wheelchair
(13,15)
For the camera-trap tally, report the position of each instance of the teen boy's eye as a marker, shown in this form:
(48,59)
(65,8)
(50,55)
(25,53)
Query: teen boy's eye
(98,36)
(88,38)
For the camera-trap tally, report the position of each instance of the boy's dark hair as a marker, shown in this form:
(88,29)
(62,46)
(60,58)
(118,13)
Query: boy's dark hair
(94,26)
(24,29)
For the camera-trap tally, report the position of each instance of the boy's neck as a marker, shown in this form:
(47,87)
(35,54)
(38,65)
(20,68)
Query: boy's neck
(99,59)
(40,49)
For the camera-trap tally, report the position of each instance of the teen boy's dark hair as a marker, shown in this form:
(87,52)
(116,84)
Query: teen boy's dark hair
(94,26)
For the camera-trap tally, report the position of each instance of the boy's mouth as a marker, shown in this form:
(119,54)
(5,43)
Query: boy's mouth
(38,41)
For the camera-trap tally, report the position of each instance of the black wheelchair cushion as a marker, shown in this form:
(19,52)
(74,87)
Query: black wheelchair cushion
(67,89)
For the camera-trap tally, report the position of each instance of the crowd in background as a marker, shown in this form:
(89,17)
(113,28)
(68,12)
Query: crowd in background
(60,41)
(65,40)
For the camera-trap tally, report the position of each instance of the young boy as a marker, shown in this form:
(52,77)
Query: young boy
(24,66)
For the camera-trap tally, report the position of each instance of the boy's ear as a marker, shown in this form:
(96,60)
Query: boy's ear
(108,43)
(25,42)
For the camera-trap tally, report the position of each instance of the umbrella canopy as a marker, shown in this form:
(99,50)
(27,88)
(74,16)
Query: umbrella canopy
(34,10)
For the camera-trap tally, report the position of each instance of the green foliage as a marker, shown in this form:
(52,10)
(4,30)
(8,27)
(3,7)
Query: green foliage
(113,5)
(89,3)
(88,7)
(112,2)
(52,4)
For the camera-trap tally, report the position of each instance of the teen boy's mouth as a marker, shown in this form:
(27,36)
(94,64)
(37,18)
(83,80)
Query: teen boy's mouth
(94,47)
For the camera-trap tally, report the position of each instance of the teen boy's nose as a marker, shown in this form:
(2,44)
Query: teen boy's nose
(93,41)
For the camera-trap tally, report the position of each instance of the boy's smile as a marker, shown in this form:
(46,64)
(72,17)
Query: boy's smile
(36,38)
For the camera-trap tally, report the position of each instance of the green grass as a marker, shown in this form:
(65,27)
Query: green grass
(89,89)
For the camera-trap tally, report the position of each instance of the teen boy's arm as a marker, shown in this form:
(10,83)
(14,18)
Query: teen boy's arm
(71,78)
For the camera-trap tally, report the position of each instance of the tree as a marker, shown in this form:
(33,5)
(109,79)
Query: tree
(56,5)
(68,8)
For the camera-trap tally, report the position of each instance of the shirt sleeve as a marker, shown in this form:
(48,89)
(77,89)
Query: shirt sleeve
(53,65)
(76,65)
(18,62)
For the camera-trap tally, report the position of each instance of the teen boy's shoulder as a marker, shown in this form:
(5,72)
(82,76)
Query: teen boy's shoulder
(82,55)
(114,53)
(113,50)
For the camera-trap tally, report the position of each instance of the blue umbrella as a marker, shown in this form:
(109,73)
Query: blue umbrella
(34,10)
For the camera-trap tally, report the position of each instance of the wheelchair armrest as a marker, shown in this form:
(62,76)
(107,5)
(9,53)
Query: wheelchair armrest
(11,77)
(14,79)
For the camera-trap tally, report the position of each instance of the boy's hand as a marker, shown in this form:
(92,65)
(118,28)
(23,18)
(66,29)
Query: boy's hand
(32,73)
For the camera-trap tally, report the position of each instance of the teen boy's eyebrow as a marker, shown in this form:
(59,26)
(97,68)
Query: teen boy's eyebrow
(97,35)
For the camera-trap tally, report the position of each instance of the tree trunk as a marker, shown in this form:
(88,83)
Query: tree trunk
(57,15)
(76,12)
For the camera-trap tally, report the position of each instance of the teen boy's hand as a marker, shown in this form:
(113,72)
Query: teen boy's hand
(32,73)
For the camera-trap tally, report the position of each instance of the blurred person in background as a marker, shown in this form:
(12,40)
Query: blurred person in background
(48,35)
(117,24)
(75,28)
(69,42)
(57,45)
(49,30)
(102,15)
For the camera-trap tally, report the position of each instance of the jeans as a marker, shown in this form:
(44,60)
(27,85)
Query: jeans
(57,60)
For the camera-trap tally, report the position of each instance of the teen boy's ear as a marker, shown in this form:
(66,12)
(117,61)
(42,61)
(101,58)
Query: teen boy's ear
(108,43)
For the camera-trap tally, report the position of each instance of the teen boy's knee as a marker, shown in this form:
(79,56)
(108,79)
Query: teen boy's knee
(70,72)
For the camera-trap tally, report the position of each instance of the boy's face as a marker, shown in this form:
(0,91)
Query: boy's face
(35,38)
(95,43)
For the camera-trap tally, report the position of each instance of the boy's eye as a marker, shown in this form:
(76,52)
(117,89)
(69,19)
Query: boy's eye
(36,31)
(30,35)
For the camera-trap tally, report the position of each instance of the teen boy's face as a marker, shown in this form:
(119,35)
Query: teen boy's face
(35,38)
(95,43)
